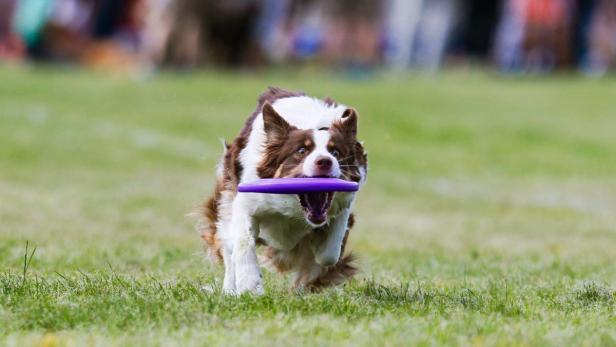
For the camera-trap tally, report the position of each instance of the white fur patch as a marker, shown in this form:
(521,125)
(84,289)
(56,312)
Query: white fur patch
(308,113)
(321,138)
(326,249)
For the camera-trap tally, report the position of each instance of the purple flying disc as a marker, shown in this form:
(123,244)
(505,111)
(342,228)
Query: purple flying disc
(297,185)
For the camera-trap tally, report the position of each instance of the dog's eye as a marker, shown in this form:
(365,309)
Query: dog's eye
(335,153)
(302,150)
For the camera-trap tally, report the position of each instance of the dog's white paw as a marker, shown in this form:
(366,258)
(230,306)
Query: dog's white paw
(229,291)
(249,281)
(228,285)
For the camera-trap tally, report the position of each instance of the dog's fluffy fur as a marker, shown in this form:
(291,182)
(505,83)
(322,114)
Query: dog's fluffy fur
(288,135)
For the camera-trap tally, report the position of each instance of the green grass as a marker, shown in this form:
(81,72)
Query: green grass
(489,217)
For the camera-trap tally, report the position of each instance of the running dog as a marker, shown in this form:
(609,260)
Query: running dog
(289,135)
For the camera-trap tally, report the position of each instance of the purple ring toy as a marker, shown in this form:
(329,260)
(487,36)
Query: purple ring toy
(297,185)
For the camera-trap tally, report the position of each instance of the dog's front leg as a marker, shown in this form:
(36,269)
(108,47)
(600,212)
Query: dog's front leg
(327,245)
(245,264)
(228,284)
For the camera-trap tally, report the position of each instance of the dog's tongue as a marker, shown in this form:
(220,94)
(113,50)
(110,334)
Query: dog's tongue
(316,204)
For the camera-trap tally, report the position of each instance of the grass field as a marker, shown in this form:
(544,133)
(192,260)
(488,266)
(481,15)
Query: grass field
(489,217)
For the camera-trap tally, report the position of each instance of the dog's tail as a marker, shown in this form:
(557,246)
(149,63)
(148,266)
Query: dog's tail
(206,227)
(335,275)
(208,215)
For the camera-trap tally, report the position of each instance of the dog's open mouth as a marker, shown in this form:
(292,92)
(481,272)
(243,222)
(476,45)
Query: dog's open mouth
(316,205)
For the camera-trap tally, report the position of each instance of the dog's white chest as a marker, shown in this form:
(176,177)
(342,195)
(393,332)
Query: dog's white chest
(282,233)
(280,219)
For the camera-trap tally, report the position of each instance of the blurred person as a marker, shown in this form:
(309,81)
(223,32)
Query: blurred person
(535,35)
(306,28)
(229,30)
(29,19)
(473,33)
(601,38)
(99,33)
(115,35)
(344,33)
(402,21)
(418,32)
(182,33)
(353,33)
(195,31)
(547,41)
(272,29)
(510,36)
(119,20)
(433,35)
(230,33)
(66,33)
(581,26)
(158,17)
(12,47)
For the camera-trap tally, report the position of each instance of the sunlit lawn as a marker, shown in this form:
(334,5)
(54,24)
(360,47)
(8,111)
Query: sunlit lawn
(489,217)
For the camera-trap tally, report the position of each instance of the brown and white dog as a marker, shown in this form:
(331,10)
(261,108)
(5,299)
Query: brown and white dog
(288,135)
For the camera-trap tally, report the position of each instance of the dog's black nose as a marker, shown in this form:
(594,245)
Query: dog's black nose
(324,163)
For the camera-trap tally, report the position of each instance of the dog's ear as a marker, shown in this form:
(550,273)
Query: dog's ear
(274,125)
(348,123)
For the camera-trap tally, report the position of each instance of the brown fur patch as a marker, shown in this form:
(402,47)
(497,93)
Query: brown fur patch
(277,260)
(343,139)
(350,225)
(232,167)
(330,102)
(282,157)
(361,160)
(286,146)
(334,275)
(207,225)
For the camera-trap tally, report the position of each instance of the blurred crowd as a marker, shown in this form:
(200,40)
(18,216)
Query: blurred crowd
(514,35)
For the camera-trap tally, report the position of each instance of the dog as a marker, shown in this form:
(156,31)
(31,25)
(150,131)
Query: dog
(288,135)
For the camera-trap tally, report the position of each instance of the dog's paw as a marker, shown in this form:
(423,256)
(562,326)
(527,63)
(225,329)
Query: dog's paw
(249,282)
(229,292)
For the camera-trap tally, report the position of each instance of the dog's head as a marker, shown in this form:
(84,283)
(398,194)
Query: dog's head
(326,152)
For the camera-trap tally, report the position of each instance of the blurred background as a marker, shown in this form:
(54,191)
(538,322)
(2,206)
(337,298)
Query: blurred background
(515,36)
(491,189)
